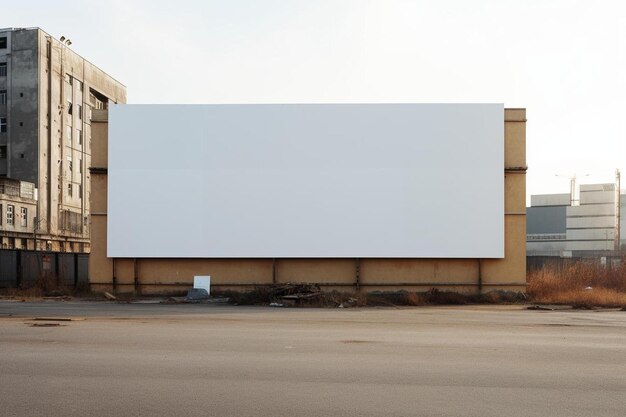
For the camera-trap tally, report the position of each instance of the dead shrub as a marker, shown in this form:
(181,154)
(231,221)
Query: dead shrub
(568,285)
(436,296)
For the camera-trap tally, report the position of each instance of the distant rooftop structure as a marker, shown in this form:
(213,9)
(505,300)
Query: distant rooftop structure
(594,227)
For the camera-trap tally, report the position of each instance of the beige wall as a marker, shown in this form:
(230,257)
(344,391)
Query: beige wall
(463,275)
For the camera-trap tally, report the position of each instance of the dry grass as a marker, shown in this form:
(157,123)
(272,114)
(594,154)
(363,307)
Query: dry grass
(568,285)
(45,286)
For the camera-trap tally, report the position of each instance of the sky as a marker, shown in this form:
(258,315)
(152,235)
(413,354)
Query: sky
(562,60)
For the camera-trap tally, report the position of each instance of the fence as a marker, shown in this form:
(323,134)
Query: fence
(22,268)
(534,263)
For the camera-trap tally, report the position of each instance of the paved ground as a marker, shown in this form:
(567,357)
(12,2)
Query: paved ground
(199,360)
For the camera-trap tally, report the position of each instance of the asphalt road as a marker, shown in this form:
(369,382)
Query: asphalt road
(200,360)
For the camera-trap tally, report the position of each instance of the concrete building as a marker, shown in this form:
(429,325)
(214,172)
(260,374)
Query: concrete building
(161,275)
(555,227)
(47,93)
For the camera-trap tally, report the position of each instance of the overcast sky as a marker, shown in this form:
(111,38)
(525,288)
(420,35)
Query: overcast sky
(565,61)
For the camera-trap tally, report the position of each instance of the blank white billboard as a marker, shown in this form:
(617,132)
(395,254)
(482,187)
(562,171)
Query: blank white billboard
(306,181)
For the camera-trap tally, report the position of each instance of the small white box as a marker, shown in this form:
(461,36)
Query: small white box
(202,281)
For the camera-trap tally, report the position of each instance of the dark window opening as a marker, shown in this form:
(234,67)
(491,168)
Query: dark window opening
(3,124)
(3,42)
(97,100)
(3,69)
(3,152)
(71,221)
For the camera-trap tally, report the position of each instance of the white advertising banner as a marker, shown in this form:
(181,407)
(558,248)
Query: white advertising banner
(306,181)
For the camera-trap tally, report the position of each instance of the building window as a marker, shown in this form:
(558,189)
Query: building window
(80,137)
(79,110)
(80,191)
(3,152)
(68,79)
(3,124)
(69,107)
(3,96)
(10,211)
(69,165)
(69,220)
(24,216)
(3,42)
(3,69)
(68,134)
(80,166)
(69,189)
(0,214)
(80,85)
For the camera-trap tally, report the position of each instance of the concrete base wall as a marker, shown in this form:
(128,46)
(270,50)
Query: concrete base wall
(162,276)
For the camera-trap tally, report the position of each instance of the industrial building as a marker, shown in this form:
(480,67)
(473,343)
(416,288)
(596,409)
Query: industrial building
(151,274)
(592,225)
(47,93)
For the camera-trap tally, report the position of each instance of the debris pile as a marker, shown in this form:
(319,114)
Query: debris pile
(197,294)
(290,294)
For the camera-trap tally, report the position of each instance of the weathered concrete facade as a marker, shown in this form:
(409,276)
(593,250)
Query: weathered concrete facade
(464,275)
(17,214)
(49,93)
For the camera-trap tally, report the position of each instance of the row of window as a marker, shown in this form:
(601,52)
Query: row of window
(3,97)
(79,109)
(10,216)
(68,134)
(70,190)
(10,243)
(70,166)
